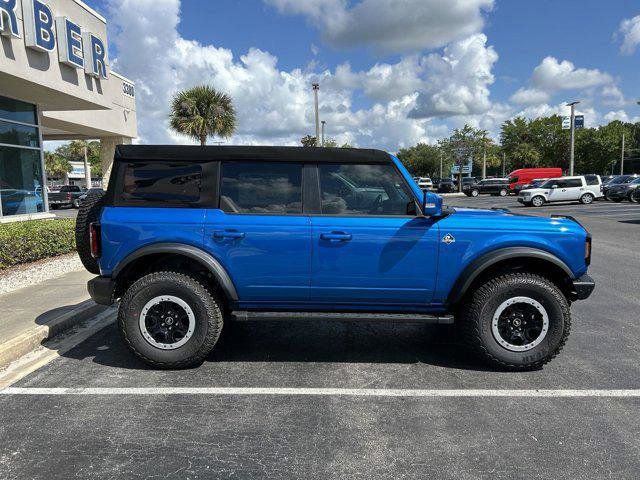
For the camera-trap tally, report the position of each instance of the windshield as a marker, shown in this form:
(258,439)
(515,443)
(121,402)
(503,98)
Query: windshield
(636,182)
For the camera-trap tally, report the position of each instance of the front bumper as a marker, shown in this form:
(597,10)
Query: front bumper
(101,290)
(583,287)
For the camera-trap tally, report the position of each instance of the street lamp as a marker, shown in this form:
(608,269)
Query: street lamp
(316,87)
(323,124)
(573,136)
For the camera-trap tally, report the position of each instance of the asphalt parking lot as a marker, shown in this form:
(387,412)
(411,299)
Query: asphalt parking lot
(396,400)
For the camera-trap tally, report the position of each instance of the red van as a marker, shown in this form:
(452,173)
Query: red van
(521,177)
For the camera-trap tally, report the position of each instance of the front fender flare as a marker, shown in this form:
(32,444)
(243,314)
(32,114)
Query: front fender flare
(195,253)
(480,264)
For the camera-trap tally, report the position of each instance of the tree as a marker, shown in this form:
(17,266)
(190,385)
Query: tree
(74,152)
(308,141)
(465,144)
(56,165)
(422,160)
(330,143)
(202,112)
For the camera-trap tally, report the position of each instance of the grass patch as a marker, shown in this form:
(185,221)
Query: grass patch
(24,242)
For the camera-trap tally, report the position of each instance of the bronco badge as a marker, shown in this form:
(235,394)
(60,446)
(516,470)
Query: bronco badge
(448,239)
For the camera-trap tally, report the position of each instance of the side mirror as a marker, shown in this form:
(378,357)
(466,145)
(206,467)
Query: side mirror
(554,186)
(431,204)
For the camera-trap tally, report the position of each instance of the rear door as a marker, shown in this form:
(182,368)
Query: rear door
(368,246)
(259,232)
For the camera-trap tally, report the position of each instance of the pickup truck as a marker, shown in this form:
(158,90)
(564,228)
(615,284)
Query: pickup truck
(67,196)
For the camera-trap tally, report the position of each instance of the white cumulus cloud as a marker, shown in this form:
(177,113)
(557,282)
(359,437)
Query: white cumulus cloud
(629,31)
(391,25)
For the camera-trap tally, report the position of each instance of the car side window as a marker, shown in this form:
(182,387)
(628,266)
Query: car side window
(363,189)
(261,188)
(173,183)
(591,179)
(573,183)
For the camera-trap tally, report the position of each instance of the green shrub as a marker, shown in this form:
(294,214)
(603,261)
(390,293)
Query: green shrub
(24,242)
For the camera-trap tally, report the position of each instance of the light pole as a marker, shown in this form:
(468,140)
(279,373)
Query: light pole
(573,136)
(316,87)
(323,124)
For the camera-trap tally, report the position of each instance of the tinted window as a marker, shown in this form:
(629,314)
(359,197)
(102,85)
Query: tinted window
(574,182)
(261,187)
(16,134)
(17,111)
(162,182)
(591,179)
(363,190)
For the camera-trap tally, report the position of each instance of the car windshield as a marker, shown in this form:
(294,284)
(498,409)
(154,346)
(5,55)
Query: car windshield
(636,181)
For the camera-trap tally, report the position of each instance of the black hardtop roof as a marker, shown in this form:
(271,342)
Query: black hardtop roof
(190,153)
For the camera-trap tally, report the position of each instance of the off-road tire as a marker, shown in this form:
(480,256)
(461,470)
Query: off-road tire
(477,313)
(88,213)
(207,309)
(541,203)
(587,199)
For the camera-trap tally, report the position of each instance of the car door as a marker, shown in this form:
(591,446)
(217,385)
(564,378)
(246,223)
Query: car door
(259,232)
(574,189)
(369,248)
(558,194)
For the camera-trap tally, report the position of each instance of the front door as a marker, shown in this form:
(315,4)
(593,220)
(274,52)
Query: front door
(369,247)
(260,234)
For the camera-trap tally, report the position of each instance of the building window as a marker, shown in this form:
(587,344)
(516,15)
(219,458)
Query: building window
(21,175)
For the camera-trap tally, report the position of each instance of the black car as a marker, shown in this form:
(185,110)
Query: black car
(614,182)
(446,185)
(492,186)
(623,191)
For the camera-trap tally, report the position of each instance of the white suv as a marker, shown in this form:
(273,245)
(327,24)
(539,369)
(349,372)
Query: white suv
(563,189)
(425,183)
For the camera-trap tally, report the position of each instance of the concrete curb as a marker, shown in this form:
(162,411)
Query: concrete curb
(33,338)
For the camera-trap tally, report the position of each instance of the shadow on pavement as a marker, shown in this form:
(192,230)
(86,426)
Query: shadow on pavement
(632,222)
(302,341)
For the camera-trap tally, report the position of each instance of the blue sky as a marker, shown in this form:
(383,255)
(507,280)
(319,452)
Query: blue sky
(390,75)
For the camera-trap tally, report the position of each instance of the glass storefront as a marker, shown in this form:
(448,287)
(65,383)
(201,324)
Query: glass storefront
(21,175)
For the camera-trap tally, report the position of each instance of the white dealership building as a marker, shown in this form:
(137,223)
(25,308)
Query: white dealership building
(55,84)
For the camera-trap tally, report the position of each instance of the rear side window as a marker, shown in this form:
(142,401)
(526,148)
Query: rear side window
(591,179)
(163,183)
(261,188)
(573,182)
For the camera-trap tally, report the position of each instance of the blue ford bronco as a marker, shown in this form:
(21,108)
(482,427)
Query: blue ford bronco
(187,238)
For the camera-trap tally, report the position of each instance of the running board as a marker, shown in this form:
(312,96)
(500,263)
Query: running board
(244,316)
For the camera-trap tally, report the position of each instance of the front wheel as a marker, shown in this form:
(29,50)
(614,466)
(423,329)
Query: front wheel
(537,201)
(170,320)
(517,321)
(475,193)
(503,192)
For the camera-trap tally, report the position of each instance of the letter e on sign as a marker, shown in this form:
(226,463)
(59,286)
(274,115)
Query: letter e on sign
(70,50)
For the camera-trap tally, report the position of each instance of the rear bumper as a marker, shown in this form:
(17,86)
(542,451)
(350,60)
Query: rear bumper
(101,290)
(583,287)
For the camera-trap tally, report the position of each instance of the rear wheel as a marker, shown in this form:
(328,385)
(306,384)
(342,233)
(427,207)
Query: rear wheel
(170,320)
(475,192)
(586,199)
(537,201)
(634,196)
(503,192)
(517,321)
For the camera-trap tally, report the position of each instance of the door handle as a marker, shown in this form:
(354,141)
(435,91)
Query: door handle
(336,236)
(227,234)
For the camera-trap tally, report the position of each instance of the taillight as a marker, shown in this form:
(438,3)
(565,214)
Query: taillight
(94,239)
(587,250)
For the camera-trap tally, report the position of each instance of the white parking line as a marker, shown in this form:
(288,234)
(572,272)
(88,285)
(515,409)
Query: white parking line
(340,392)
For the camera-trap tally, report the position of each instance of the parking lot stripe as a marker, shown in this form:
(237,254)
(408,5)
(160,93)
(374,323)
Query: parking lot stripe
(340,392)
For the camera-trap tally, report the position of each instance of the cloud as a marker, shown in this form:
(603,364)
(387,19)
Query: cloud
(613,96)
(553,76)
(630,32)
(391,25)
(458,81)
(274,106)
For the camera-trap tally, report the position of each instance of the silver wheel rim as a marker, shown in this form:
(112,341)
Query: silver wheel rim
(587,199)
(142,322)
(537,201)
(474,193)
(512,302)
(503,193)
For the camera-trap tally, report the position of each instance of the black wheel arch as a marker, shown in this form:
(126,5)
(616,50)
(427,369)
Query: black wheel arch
(161,253)
(511,258)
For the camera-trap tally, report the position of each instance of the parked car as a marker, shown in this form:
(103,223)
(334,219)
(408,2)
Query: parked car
(493,186)
(446,185)
(523,176)
(563,189)
(425,183)
(623,191)
(189,238)
(67,196)
(618,180)
(607,178)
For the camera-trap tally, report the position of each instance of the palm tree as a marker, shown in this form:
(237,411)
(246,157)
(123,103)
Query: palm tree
(201,112)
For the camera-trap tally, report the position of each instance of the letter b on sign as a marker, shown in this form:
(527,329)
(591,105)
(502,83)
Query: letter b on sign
(38,26)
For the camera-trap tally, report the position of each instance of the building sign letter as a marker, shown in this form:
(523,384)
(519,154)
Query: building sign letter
(95,56)
(38,26)
(9,19)
(69,42)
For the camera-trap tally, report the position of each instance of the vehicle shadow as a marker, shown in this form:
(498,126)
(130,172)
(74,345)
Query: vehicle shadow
(308,341)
